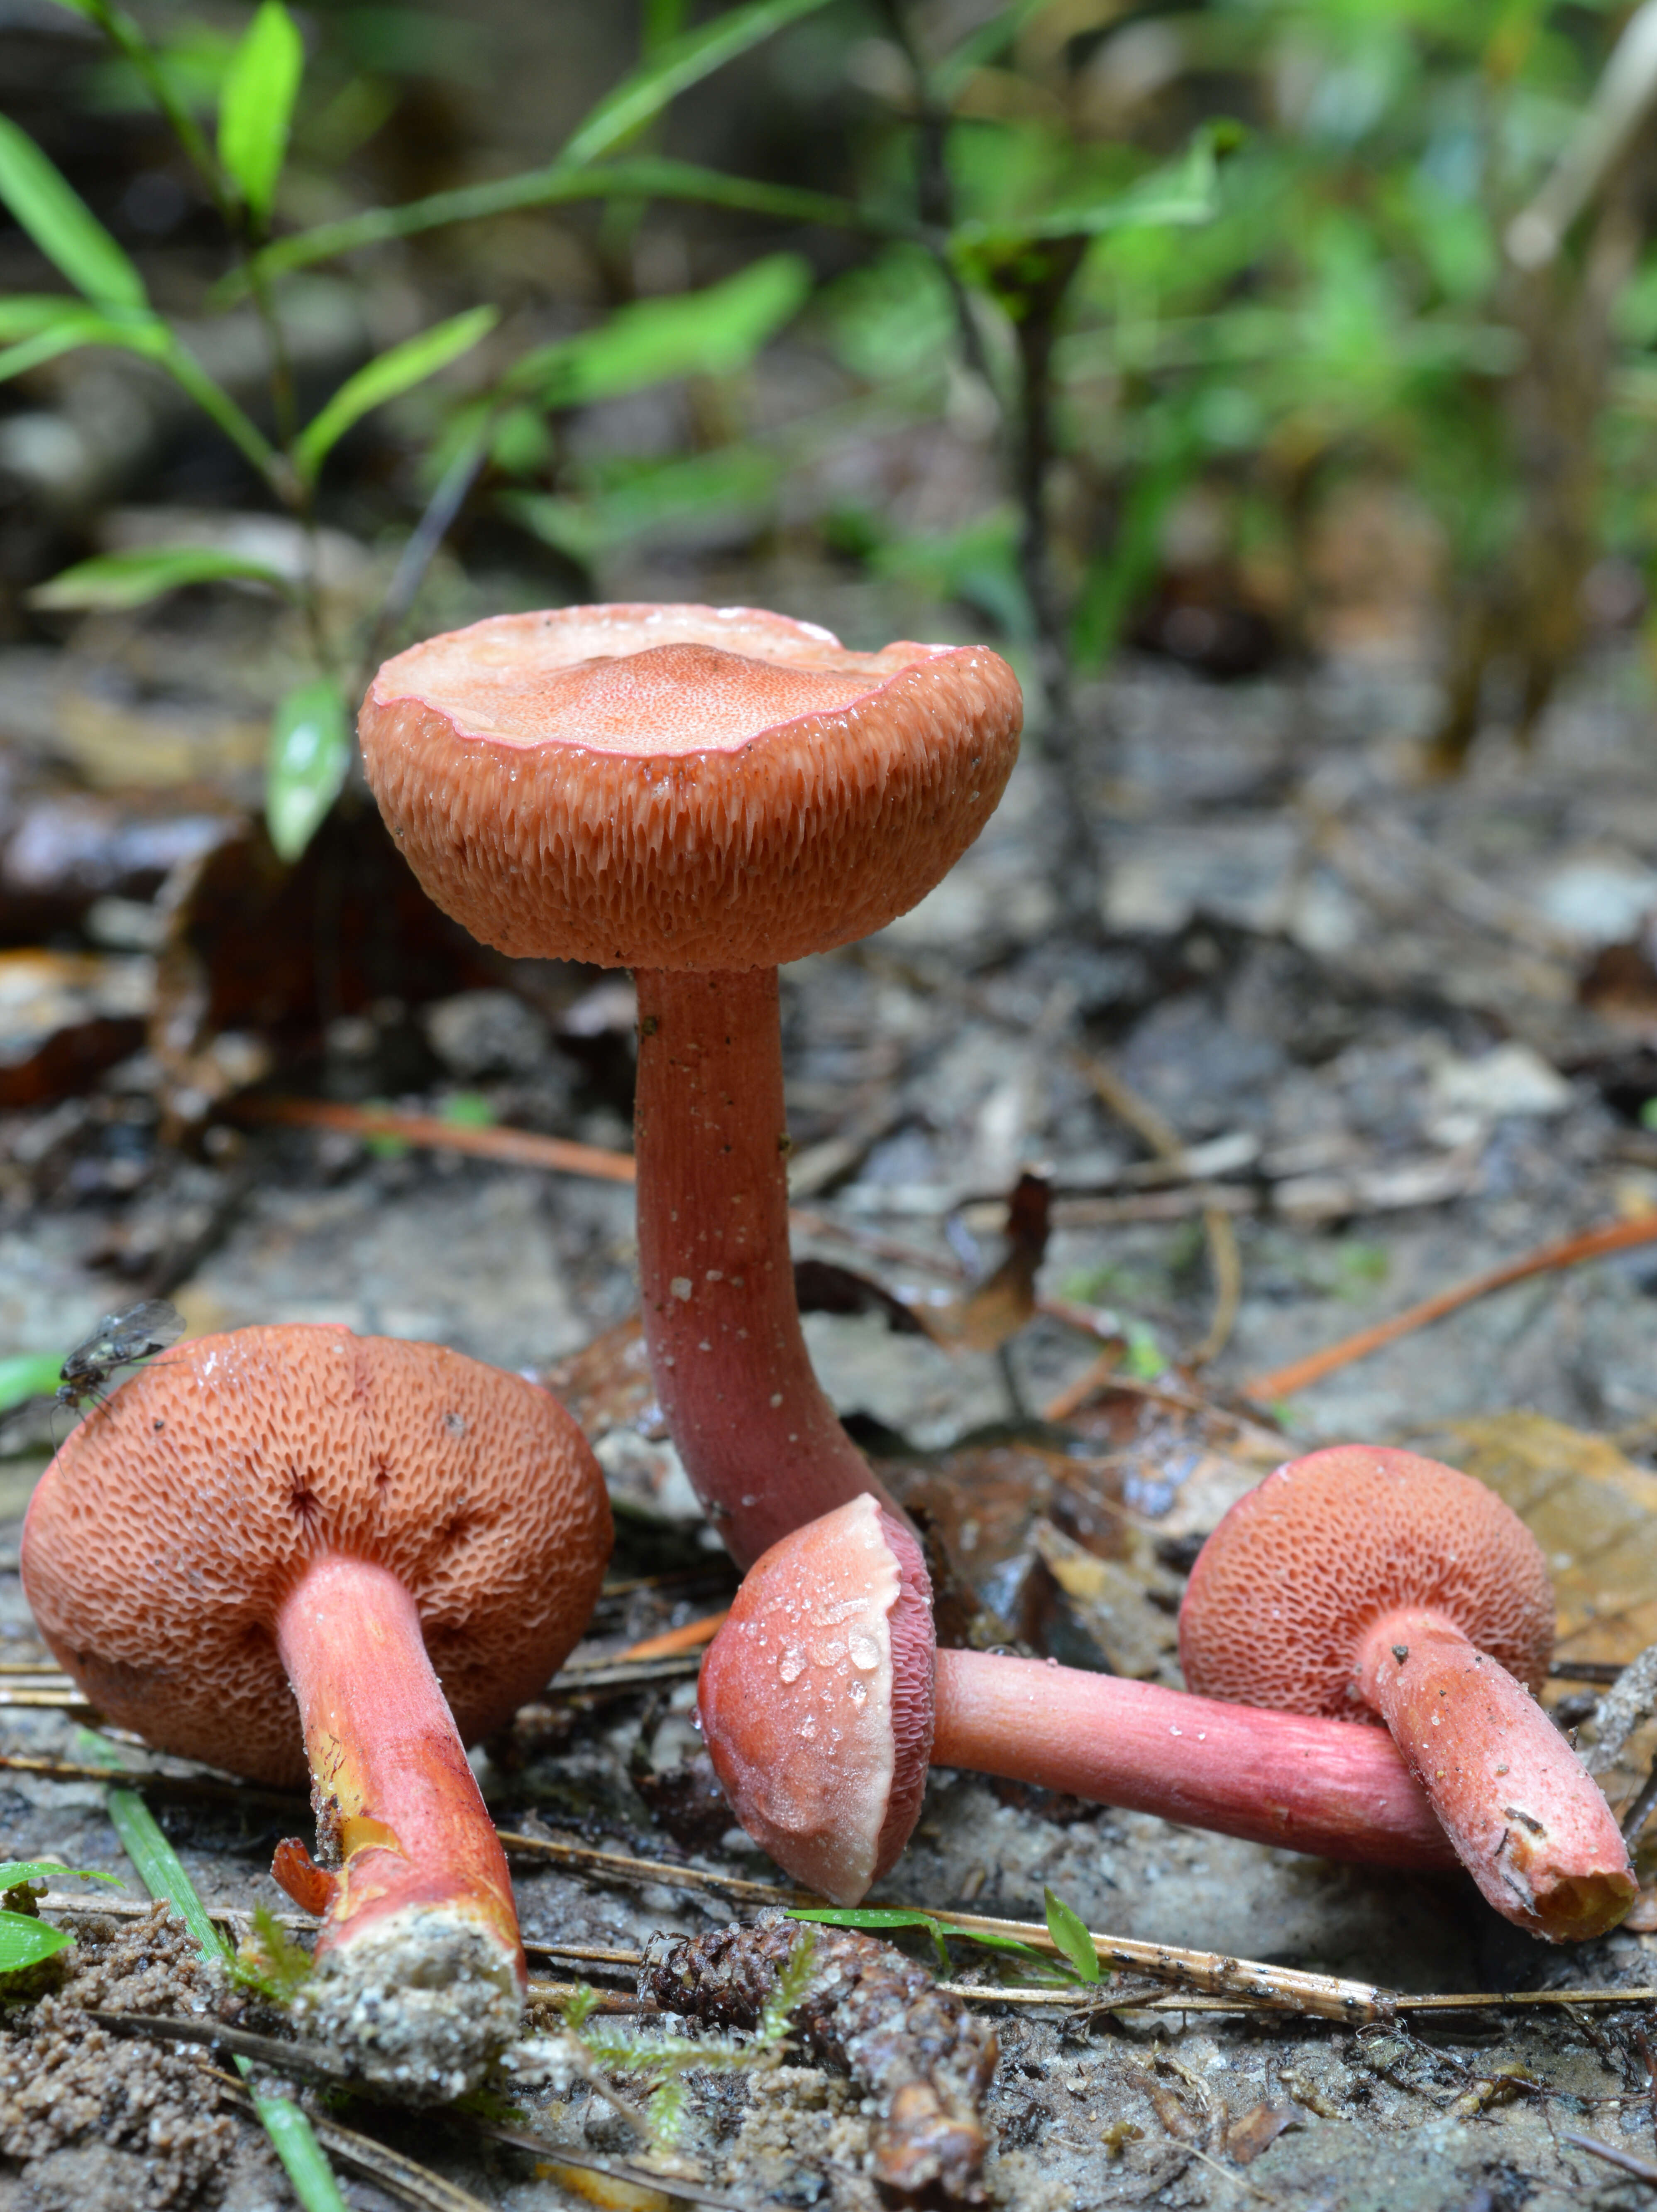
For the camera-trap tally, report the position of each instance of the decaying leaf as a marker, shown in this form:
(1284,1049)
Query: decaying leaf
(1594,1512)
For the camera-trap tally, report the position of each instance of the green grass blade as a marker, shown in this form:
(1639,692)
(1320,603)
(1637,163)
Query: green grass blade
(292,2136)
(63,226)
(161,1870)
(128,580)
(257,107)
(26,1375)
(647,178)
(388,377)
(674,67)
(1071,1938)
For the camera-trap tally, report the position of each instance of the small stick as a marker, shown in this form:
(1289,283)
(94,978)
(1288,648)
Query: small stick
(1224,1258)
(1612,2156)
(1640,1811)
(690,1637)
(521,1147)
(1570,1252)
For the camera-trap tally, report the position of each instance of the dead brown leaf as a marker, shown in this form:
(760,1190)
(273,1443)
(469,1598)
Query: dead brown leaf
(1257,2130)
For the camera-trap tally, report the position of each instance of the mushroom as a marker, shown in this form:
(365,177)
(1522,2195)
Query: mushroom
(698,793)
(824,1697)
(300,1506)
(1360,1582)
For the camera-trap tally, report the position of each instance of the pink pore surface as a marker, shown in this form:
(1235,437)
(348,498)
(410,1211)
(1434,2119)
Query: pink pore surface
(163,1538)
(914,1651)
(1283,1591)
(796,1699)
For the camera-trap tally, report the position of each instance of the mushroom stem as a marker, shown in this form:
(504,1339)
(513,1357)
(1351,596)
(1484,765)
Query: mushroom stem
(761,1445)
(420,1936)
(1324,1787)
(1527,1819)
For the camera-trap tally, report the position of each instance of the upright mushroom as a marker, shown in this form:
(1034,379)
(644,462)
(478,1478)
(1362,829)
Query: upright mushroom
(824,1697)
(1360,1582)
(698,793)
(300,1505)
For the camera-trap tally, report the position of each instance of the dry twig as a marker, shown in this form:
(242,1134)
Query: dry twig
(1570,1252)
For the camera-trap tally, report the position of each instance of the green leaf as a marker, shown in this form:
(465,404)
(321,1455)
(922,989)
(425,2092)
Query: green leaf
(674,67)
(392,374)
(468,1109)
(1071,1939)
(79,326)
(28,1375)
(650,500)
(713,332)
(15,1870)
(26,313)
(648,177)
(256,105)
(127,580)
(309,751)
(1185,192)
(870,1918)
(63,226)
(24,1942)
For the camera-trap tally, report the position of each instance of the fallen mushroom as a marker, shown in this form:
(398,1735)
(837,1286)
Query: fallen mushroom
(824,1697)
(698,793)
(345,1515)
(1360,1580)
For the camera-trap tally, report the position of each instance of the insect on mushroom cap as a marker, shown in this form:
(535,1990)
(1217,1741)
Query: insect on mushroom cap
(682,786)
(816,1697)
(1302,1565)
(165,1535)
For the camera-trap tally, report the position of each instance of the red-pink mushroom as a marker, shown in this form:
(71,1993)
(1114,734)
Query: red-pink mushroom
(698,793)
(354,1517)
(824,1697)
(1360,1581)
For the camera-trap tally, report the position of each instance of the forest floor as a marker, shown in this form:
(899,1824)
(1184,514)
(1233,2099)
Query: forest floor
(1404,1032)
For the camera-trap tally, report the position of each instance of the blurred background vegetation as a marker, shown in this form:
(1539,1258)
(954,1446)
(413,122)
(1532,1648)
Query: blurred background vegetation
(1244,332)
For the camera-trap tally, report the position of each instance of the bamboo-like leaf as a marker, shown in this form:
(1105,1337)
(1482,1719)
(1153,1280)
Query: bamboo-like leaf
(644,177)
(309,751)
(1184,193)
(256,105)
(26,1375)
(13,1871)
(24,1942)
(25,314)
(713,332)
(127,580)
(674,67)
(392,373)
(1070,1937)
(80,325)
(63,226)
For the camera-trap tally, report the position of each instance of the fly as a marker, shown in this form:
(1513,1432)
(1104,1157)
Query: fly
(119,1340)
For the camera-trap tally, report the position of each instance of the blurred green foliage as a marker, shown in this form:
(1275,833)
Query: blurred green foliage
(1250,253)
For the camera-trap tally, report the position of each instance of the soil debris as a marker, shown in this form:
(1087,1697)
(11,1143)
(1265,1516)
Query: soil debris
(926,2058)
(102,2124)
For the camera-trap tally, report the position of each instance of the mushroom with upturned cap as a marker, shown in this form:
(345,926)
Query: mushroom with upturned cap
(1361,1582)
(300,1506)
(824,1697)
(697,794)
